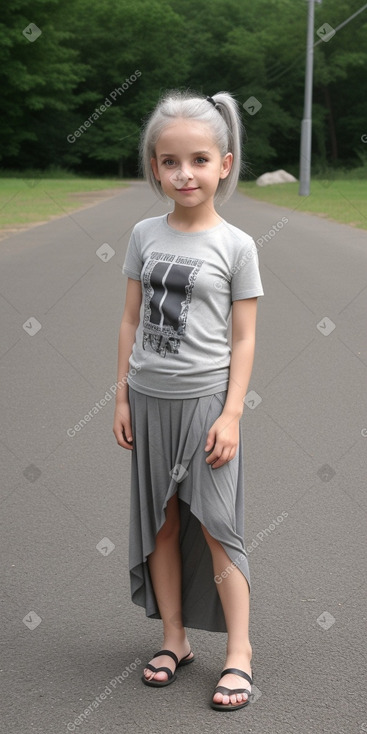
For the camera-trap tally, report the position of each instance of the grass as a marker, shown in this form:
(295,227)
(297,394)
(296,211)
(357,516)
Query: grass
(340,199)
(29,200)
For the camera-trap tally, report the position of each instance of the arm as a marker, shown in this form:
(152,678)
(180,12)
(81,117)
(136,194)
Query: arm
(129,324)
(243,351)
(223,437)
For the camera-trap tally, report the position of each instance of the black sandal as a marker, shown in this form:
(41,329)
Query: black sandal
(171,676)
(229,691)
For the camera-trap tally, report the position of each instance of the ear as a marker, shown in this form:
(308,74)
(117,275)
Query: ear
(226,165)
(154,164)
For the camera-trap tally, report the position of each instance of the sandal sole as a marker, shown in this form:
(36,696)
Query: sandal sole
(158,683)
(228,707)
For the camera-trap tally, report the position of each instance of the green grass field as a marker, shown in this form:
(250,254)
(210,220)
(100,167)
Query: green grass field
(30,200)
(339,199)
(26,201)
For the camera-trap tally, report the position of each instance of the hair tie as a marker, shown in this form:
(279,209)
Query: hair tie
(213,102)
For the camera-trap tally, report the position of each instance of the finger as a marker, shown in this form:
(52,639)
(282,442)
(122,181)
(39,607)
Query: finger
(210,441)
(125,444)
(127,434)
(126,430)
(213,456)
(121,437)
(224,458)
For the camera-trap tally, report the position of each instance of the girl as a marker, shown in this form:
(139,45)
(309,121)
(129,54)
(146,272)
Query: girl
(182,389)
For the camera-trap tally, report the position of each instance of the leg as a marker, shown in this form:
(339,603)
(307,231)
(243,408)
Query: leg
(165,571)
(235,597)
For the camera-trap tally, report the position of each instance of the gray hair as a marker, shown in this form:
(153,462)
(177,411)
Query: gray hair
(225,123)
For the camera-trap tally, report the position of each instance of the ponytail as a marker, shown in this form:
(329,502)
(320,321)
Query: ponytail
(228,108)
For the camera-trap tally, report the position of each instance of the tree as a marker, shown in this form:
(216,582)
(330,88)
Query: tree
(339,79)
(39,74)
(60,103)
(126,42)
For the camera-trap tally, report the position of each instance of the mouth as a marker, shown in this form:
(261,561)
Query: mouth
(185,188)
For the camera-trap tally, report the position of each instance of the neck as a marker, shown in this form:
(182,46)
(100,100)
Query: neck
(202,216)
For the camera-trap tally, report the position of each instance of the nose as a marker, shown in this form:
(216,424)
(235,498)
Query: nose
(181,177)
(186,170)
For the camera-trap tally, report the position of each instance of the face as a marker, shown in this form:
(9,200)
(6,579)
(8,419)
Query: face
(188,163)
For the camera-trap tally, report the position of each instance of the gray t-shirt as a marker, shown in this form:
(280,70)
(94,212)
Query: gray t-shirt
(189,280)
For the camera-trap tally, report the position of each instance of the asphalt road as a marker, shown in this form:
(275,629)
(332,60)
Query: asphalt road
(70,636)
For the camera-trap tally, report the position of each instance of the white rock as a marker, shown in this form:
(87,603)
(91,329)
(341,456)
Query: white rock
(275,177)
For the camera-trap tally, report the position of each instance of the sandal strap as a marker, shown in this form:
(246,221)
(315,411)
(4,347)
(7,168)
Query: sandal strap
(186,656)
(236,671)
(159,670)
(169,653)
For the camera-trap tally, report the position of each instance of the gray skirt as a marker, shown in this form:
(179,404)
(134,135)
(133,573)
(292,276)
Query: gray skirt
(168,457)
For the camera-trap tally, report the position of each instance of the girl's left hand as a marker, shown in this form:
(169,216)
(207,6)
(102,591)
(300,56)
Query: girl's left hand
(223,438)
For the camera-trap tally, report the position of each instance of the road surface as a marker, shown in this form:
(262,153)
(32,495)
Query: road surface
(71,638)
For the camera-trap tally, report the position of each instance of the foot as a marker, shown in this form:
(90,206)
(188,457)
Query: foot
(164,661)
(243,662)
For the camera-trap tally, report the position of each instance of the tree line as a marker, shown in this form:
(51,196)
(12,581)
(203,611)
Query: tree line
(80,76)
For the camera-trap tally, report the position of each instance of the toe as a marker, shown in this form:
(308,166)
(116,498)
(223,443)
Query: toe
(161,676)
(232,699)
(220,698)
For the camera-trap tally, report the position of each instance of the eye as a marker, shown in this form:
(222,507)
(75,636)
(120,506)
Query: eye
(168,162)
(200,159)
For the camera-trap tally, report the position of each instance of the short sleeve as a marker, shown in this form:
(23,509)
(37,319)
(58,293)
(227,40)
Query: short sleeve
(133,263)
(246,280)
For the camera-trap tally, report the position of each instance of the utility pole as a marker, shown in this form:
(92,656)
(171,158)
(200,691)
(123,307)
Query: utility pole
(306,128)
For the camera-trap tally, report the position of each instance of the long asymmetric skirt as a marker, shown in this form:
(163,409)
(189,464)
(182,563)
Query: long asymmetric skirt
(168,457)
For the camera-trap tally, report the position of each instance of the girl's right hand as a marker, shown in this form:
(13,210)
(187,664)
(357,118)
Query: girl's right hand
(122,425)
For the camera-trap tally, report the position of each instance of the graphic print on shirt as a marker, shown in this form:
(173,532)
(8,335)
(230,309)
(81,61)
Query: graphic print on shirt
(168,283)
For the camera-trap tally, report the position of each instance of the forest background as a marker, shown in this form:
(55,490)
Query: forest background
(79,77)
